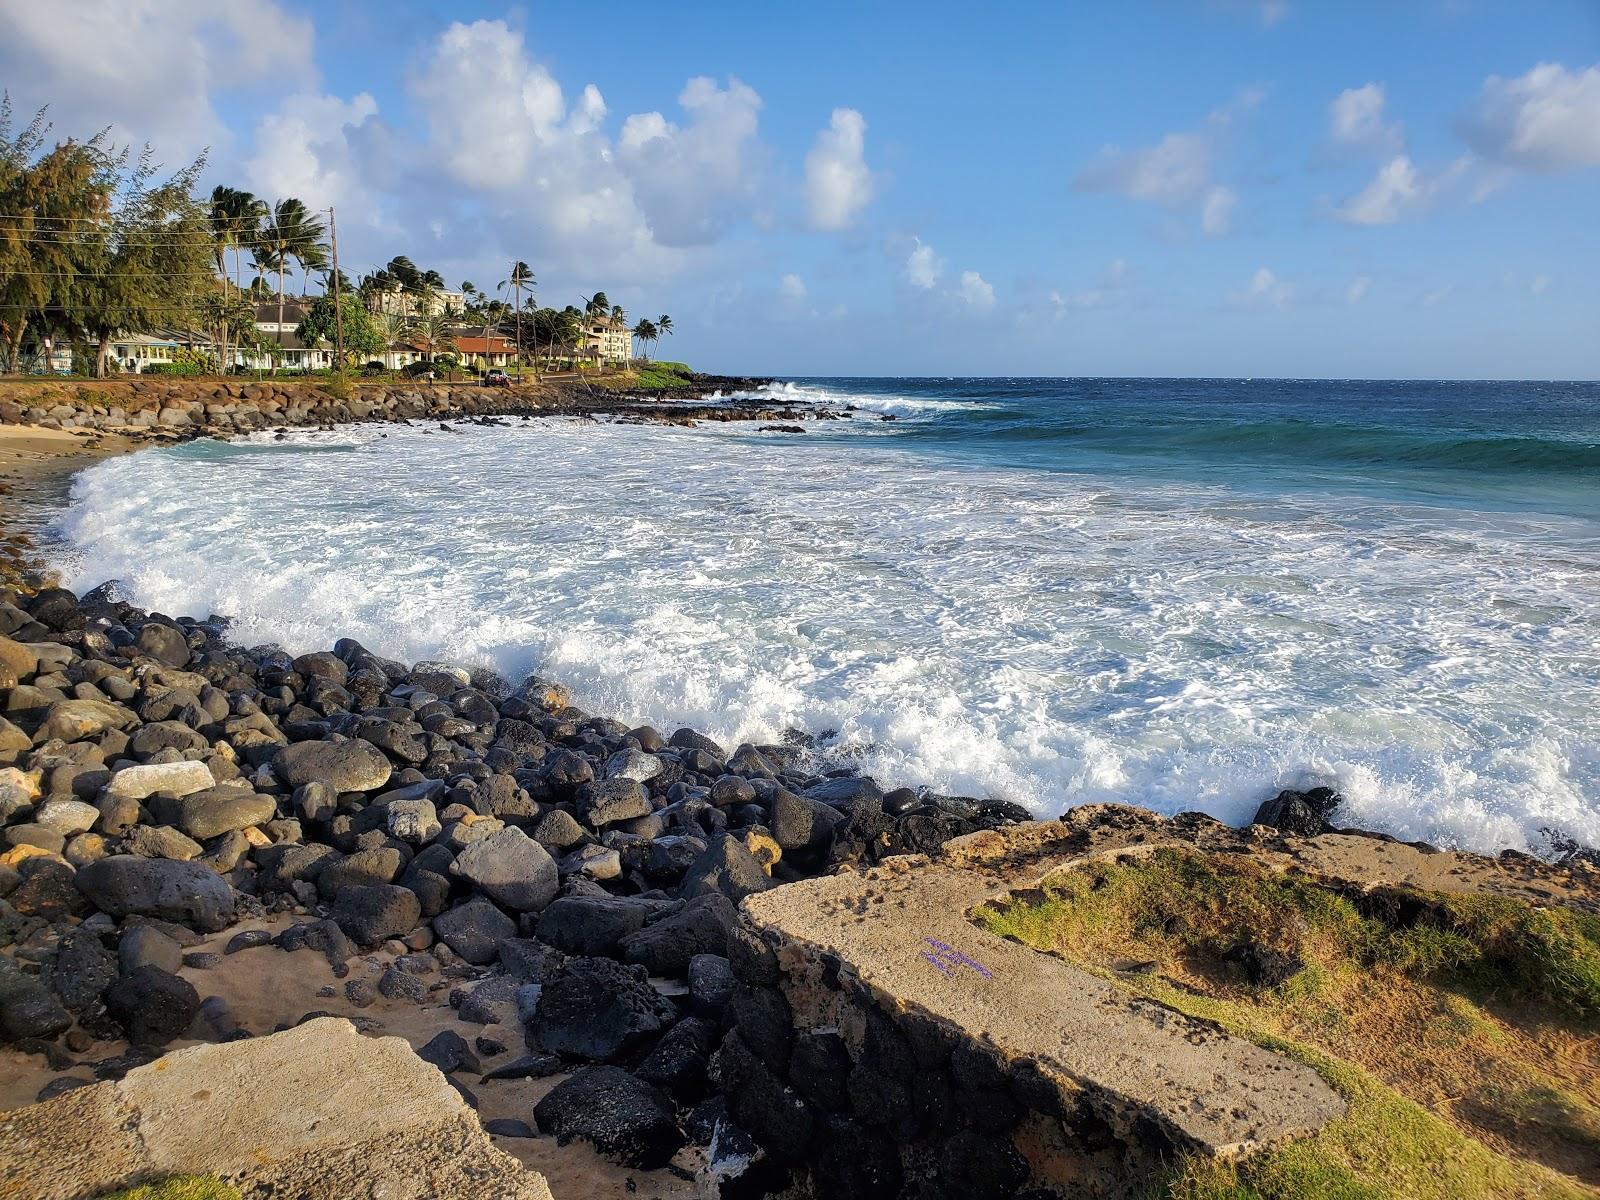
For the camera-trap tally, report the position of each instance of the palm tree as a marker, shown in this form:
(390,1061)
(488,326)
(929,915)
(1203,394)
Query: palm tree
(664,325)
(393,328)
(434,332)
(521,277)
(292,233)
(645,331)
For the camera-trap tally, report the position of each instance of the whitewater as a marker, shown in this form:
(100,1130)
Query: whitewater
(966,597)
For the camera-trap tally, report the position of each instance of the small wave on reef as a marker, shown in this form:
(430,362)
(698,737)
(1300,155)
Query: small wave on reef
(963,616)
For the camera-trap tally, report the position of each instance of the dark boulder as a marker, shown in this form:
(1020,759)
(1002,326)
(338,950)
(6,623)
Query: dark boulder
(711,985)
(666,946)
(474,930)
(624,1117)
(27,1008)
(1302,813)
(599,1010)
(726,867)
(152,1006)
(83,969)
(348,766)
(368,915)
(853,1162)
(185,892)
(678,1062)
(591,925)
(607,801)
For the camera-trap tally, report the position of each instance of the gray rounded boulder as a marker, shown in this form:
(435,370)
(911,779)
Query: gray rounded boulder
(350,766)
(187,893)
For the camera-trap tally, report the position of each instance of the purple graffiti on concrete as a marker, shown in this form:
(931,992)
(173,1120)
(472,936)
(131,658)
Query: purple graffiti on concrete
(948,959)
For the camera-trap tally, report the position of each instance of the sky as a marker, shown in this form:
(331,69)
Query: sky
(1333,188)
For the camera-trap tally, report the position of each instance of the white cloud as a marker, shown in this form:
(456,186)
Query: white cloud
(923,266)
(1356,119)
(1397,187)
(1177,171)
(1545,120)
(552,180)
(977,291)
(154,73)
(1539,285)
(1358,289)
(792,287)
(1266,290)
(689,180)
(1273,11)
(304,150)
(1216,214)
(838,183)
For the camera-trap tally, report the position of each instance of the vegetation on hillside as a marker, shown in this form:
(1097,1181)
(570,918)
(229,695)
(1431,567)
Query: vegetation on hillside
(1461,1030)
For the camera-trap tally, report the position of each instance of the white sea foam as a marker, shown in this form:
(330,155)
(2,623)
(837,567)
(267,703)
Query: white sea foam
(1046,637)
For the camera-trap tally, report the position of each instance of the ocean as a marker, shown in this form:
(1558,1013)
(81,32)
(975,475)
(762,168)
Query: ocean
(1186,594)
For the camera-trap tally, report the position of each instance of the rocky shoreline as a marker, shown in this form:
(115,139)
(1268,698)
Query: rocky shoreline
(545,901)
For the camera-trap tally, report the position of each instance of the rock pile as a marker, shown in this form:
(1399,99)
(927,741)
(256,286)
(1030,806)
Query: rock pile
(157,782)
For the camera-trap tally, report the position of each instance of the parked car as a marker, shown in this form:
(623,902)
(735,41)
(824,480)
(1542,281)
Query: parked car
(496,378)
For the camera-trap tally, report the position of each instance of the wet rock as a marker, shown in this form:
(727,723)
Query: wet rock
(1304,814)
(624,1117)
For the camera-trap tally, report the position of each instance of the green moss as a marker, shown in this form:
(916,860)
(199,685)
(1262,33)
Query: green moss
(179,1187)
(1431,982)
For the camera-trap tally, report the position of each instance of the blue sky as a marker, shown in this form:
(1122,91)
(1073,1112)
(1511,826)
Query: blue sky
(1214,187)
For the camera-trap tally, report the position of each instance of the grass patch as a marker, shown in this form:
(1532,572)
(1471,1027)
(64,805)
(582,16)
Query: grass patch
(179,1187)
(1461,1031)
(660,376)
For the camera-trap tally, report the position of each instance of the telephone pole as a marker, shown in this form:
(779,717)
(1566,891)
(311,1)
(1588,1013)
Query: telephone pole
(338,295)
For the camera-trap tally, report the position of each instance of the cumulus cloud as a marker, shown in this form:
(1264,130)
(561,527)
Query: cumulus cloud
(1114,282)
(838,182)
(691,180)
(306,149)
(923,266)
(1358,289)
(977,291)
(792,287)
(1176,172)
(1545,120)
(1356,119)
(1397,188)
(155,73)
(503,129)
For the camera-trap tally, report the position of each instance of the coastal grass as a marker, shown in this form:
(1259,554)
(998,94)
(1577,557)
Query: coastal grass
(179,1187)
(660,376)
(1460,1030)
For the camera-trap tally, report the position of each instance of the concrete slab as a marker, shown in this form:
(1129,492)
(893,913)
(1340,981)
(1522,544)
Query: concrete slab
(318,1112)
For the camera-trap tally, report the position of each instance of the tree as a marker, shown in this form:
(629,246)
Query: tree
(663,326)
(56,208)
(153,266)
(521,277)
(434,334)
(361,335)
(646,332)
(392,330)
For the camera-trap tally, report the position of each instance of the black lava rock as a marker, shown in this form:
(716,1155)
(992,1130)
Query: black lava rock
(623,1116)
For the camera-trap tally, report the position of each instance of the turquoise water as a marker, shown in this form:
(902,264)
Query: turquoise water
(1185,594)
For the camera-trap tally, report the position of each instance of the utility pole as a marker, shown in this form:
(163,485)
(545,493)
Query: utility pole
(338,295)
(518,289)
